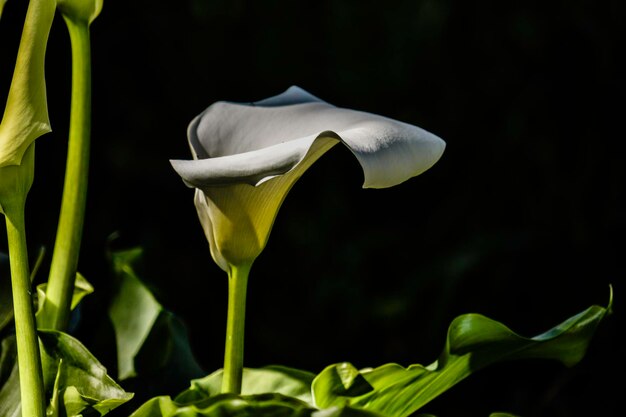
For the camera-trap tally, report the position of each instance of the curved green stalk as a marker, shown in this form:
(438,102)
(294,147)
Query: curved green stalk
(69,232)
(29,361)
(235,325)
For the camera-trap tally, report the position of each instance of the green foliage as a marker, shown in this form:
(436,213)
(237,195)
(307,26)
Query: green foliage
(473,342)
(81,384)
(261,405)
(152,344)
(82,288)
(151,341)
(76,383)
(275,379)
(226,404)
(133,312)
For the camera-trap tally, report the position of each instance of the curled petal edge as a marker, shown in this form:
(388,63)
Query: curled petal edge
(256,167)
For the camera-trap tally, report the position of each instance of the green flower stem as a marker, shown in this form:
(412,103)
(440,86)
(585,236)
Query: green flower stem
(235,324)
(69,232)
(29,361)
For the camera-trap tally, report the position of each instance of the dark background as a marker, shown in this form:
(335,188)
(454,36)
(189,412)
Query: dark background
(521,220)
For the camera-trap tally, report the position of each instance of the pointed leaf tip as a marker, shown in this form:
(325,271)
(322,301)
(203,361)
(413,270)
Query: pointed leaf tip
(474,342)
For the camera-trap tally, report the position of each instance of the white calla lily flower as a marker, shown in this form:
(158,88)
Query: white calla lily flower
(248,156)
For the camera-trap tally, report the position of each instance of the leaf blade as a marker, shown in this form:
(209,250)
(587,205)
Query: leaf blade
(474,342)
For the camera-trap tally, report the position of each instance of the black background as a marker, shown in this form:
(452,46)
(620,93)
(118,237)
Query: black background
(521,220)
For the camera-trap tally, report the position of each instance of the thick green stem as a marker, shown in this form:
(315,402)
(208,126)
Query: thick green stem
(70,228)
(29,361)
(235,325)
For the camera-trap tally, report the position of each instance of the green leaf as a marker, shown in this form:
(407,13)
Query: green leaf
(77,382)
(151,341)
(271,379)
(230,405)
(82,288)
(133,312)
(9,379)
(81,384)
(473,342)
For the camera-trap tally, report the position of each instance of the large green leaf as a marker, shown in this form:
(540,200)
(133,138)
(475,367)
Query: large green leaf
(151,341)
(473,342)
(77,384)
(9,379)
(80,384)
(230,405)
(133,312)
(266,392)
(271,379)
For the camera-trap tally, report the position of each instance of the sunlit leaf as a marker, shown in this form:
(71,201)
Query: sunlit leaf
(77,382)
(473,342)
(262,405)
(226,405)
(82,288)
(81,384)
(272,379)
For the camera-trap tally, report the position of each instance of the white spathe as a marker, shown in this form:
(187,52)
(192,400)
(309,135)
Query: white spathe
(247,157)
